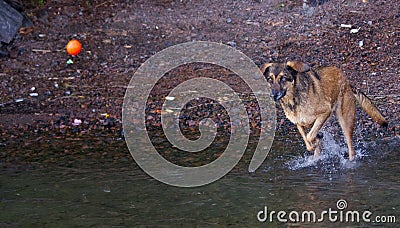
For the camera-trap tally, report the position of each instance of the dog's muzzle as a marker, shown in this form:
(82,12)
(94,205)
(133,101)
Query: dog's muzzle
(277,94)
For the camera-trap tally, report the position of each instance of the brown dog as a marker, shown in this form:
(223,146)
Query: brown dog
(308,97)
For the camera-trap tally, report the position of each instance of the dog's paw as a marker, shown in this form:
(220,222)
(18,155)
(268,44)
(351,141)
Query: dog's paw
(310,147)
(315,144)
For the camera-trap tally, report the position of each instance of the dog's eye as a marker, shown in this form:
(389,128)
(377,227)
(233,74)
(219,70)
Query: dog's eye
(284,79)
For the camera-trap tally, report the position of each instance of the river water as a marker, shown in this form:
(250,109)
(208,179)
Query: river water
(110,194)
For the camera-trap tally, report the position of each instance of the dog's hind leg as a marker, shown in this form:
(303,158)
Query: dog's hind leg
(345,113)
(318,145)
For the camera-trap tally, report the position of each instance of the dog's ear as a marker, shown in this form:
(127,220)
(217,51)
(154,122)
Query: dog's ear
(265,67)
(298,66)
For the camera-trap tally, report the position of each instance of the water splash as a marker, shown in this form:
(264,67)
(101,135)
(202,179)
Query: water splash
(334,156)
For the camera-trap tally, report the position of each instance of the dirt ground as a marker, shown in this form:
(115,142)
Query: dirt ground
(43,96)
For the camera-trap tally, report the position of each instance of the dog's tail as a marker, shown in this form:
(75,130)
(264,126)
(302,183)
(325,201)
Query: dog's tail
(369,108)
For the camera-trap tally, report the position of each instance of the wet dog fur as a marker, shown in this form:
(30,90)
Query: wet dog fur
(309,96)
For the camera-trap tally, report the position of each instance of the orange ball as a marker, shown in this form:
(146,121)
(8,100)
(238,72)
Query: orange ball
(74,47)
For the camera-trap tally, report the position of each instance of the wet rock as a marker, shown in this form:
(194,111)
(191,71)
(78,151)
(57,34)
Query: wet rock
(3,53)
(314,3)
(10,22)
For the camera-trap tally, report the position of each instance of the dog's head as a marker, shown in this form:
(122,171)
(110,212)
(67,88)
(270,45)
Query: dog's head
(281,76)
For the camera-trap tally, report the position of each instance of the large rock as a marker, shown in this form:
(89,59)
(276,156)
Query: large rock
(10,21)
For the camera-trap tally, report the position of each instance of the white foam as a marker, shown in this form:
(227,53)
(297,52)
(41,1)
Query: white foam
(333,156)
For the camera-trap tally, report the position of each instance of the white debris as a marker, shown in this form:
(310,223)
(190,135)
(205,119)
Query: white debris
(169,98)
(345,25)
(77,122)
(355,30)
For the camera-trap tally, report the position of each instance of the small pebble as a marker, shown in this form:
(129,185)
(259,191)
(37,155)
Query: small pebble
(232,43)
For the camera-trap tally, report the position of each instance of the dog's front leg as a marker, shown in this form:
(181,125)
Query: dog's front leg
(313,137)
(303,134)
